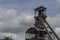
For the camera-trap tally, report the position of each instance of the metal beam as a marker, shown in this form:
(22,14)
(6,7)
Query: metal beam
(52,30)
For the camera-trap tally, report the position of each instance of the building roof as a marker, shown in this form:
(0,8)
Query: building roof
(32,30)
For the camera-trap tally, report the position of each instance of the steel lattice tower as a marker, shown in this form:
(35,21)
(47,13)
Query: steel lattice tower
(42,30)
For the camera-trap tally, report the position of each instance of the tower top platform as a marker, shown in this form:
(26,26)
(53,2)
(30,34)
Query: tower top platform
(41,8)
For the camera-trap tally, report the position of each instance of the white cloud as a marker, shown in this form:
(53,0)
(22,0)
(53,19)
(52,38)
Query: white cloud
(10,22)
(12,35)
(7,14)
(54,20)
(57,30)
(58,1)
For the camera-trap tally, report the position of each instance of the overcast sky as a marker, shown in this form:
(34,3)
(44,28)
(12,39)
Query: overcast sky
(18,15)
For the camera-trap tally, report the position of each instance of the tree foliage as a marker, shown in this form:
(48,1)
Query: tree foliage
(7,38)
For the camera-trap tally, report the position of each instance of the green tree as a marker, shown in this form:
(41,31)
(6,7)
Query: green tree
(7,38)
